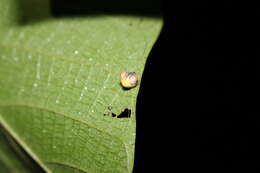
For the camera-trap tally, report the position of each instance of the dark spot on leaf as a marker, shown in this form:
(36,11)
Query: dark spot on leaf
(113,115)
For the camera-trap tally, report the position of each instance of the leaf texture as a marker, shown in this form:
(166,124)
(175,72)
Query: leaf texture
(59,79)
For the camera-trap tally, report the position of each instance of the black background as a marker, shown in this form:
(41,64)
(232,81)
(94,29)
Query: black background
(198,105)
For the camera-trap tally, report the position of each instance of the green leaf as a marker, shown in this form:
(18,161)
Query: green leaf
(58,79)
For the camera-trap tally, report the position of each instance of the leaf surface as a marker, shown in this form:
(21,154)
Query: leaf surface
(59,79)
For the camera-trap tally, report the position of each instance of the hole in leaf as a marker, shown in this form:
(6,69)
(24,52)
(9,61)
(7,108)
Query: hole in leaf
(125,114)
(109,108)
